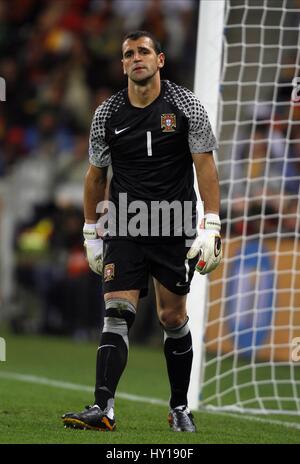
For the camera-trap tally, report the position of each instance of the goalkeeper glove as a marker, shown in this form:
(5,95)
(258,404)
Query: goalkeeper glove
(207,245)
(94,247)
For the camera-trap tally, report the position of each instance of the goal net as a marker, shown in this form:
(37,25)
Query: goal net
(252,324)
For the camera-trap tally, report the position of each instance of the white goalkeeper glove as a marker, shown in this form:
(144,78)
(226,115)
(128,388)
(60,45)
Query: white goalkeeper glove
(207,245)
(94,247)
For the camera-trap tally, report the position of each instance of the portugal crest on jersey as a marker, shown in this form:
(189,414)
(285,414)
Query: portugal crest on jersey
(168,122)
(109,272)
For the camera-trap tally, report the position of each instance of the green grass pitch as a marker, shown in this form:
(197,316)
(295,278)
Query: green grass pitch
(31,406)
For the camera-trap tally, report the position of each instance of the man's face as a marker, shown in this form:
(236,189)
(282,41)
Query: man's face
(140,61)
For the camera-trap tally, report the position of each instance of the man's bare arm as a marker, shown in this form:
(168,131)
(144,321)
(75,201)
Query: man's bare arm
(207,245)
(208,182)
(94,192)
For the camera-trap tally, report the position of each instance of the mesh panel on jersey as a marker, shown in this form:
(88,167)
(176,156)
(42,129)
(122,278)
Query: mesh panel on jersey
(99,153)
(201,137)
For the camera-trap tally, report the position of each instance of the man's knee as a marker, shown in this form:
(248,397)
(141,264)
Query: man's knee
(170,318)
(119,317)
(130,295)
(178,331)
(171,308)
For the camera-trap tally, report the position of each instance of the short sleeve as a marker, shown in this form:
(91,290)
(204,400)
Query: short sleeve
(201,137)
(99,152)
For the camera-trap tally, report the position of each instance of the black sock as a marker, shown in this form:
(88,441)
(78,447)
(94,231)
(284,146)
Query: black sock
(179,356)
(110,364)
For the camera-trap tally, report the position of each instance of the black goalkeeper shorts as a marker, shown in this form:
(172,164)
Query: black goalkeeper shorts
(127,265)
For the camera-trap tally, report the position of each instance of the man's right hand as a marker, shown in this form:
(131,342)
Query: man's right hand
(94,248)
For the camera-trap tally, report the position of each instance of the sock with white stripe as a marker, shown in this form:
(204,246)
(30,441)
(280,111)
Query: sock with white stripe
(179,356)
(113,350)
(111,361)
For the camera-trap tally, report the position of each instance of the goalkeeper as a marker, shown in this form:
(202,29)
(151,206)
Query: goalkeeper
(151,133)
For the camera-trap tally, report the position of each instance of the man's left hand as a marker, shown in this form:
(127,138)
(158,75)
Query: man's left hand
(207,245)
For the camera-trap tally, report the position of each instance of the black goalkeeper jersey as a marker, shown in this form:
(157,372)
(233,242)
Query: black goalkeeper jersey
(150,150)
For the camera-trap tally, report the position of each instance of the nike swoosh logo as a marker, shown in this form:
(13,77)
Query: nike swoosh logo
(180,284)
(121,130)
(105,346)
(183,352)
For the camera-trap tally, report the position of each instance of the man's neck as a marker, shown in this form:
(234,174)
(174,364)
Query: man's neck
(143,95)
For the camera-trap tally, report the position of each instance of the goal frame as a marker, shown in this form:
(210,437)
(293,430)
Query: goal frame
(206,88)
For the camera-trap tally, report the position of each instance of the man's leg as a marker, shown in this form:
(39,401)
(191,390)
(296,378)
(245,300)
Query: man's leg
(124,267)
(112,354)
(171,309)
(111,361)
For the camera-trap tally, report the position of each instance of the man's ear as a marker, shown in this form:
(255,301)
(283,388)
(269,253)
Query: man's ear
(161,61)
(122,61)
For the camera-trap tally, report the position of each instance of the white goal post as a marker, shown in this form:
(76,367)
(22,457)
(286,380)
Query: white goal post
(206,88)
(245,316)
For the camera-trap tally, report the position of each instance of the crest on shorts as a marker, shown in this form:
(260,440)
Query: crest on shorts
(168,122)
(109,272)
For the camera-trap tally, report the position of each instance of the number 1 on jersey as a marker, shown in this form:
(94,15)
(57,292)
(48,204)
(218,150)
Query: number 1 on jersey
(149,143)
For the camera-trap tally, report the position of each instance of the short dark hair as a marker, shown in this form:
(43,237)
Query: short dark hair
(135,35)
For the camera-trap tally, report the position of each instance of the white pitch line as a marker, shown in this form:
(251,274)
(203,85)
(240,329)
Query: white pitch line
(291,425)
(75,386)
(126,396)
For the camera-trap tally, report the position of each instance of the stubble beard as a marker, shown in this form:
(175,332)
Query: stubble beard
(145,81)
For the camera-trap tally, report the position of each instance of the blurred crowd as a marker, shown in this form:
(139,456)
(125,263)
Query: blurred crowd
(61,59)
